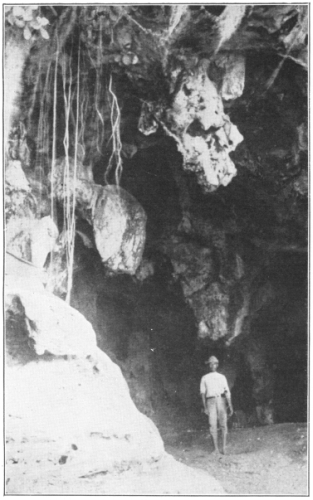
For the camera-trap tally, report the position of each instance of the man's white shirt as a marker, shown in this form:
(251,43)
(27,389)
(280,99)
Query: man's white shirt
(213,384)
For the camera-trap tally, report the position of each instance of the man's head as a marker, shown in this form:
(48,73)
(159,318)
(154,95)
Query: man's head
(213,363)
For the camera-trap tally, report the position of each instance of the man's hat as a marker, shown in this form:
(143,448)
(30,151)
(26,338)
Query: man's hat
(212,359)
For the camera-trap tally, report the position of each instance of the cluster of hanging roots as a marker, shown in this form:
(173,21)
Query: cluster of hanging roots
(63,92)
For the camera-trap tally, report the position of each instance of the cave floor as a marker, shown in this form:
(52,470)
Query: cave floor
(269,460)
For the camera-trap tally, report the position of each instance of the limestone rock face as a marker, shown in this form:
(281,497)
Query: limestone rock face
(15,177)
(204,134)
(195,269)
(19,274)
(192,263)
(28,235)
(31,239)
(55,327)
(72,418)
(233,80)
(119,227)
(66,416)
(211,310)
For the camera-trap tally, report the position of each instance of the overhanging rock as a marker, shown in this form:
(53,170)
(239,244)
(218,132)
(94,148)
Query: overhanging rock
(203,132)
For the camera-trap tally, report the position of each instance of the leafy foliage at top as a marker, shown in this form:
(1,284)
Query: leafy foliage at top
(28,19)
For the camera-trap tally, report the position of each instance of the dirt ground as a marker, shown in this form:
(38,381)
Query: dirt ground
(269,460)
(45,455)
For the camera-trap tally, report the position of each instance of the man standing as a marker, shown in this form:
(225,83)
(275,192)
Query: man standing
(215,393)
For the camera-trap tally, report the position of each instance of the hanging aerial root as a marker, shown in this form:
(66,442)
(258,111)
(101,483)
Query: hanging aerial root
(115,157)
(69,199)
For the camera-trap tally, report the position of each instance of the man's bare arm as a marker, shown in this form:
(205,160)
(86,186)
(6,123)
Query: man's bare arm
(204,402)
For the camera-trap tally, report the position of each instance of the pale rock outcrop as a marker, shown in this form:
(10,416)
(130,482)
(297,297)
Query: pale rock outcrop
(55,319)
(20,274)
(204,133)
(229,22)
(211,310)
(28,236)
(72,416)
(31,239)
(15,176)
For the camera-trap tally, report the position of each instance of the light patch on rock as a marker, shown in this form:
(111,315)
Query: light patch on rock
(301,184)
(19,274)
(203,330)
(145,270)
(56,327)
(15,176)
(265,413)
(31,239)
(44,234)
(239,269)
(211,310)
(234,78)
(229,22)
(147,124)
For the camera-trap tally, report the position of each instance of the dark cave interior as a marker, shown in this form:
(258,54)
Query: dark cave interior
(151,331)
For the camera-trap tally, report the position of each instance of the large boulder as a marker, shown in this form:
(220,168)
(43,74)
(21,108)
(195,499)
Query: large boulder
(119,224)
(118,220)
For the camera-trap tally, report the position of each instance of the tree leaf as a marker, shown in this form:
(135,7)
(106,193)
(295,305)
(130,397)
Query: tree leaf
(28,15)
(34,24)
(43,21)
(20,23)
(11,19)
(44,33)
(27,33)
(18,11)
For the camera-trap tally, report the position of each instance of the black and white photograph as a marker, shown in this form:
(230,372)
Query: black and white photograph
(156,249)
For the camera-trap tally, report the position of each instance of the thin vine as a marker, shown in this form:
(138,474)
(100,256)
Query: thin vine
(115,158)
